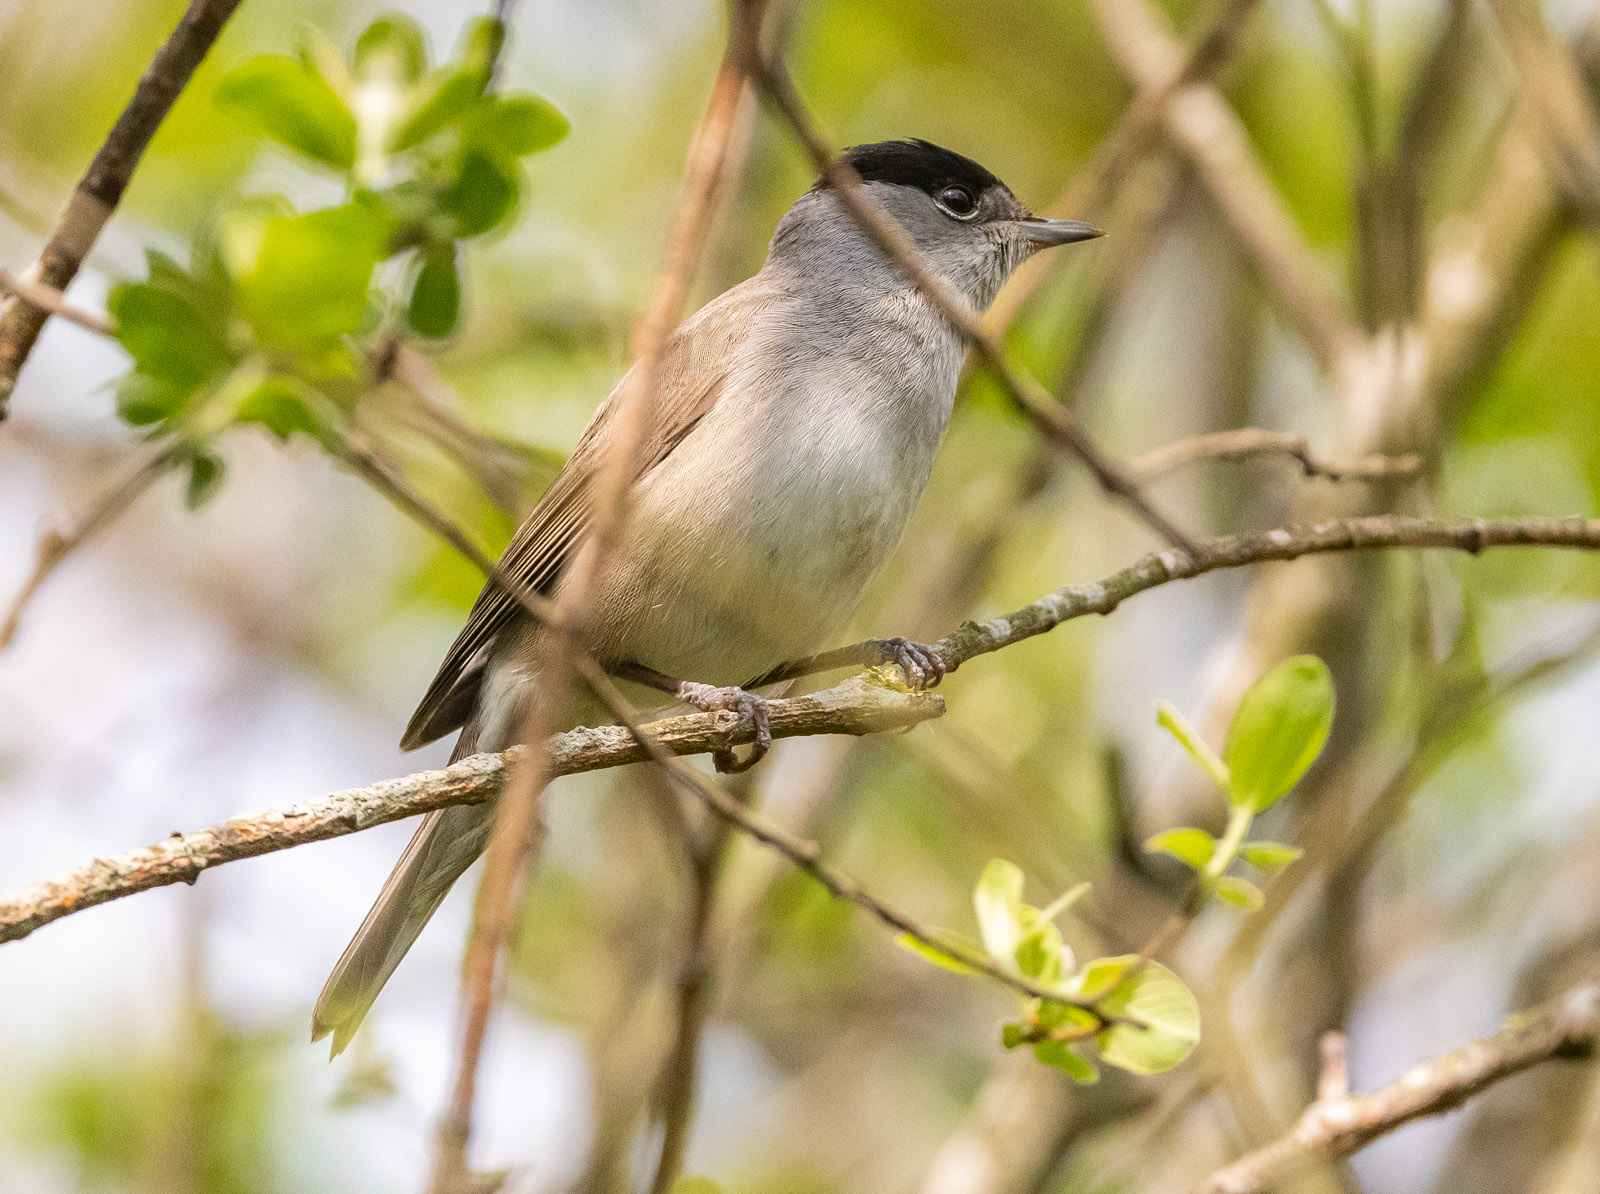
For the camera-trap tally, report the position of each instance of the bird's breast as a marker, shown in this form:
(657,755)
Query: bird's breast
(751,543)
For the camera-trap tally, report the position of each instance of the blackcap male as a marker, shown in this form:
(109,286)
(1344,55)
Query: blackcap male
(795,422)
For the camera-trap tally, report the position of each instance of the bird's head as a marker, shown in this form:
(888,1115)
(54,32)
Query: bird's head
(970,227)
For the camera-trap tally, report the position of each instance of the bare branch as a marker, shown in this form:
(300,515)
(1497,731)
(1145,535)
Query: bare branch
(857,706)
(561,650)
(1055,420)
(1243,442)
(1567,131)
(57,545)
(423,401)
(100,189)
(1336,1127)
(48,298)
(1211,555)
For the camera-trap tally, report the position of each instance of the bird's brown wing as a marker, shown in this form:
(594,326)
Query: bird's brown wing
(689,386)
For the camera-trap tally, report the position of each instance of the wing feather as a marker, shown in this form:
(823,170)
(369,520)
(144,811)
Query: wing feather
(545,542)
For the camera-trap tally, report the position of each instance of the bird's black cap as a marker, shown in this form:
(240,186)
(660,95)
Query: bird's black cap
(920,164)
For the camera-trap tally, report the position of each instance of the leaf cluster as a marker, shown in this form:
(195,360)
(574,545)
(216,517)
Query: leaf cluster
(1277,732)
(1135,1012)
(1139,1015)
(268,323)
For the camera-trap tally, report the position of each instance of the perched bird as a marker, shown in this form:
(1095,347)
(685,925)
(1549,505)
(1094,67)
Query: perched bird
(795,421)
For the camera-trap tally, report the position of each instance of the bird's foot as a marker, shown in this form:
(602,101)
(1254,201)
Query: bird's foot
(921,663)
(751,708)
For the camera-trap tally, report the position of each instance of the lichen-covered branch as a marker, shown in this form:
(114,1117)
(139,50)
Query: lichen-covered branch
(1227,551)
(857,706)
(100,189)
(1339,1124)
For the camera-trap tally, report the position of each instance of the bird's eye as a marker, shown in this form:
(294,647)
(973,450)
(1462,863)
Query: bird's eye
(958,202)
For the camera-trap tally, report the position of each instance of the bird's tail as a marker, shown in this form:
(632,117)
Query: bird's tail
(445,845)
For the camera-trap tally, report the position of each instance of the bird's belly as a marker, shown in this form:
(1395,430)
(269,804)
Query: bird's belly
(758,560)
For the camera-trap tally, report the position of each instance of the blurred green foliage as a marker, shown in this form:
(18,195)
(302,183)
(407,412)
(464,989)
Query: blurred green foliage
(400,228)
(276,319)
(199,1121)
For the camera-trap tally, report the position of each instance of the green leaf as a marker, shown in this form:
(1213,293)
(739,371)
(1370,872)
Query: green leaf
(391,47)
(1278,731)
(294,105)
(1038,954)
(1272,857)
(1013,1034)
(436,295)
(205,478)
(520,125)
(322,58)
(1174,722)
(143,400)
(307,284)
(167,336)
(932,953)
(481,43)
(483,194)
(442,99)
(1241,893)
(1065,1057)
(1156,998)
(1192,847)
(998,902)
(1102,975)
(279,405)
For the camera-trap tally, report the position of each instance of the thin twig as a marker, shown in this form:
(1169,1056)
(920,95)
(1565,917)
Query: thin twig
(560,649)
(99,191)
(676,1084)
(1227,551)
(1333,1128)
(806,855)
(1551,80)
(854,707)
(421,399)
(56,545)
(48,298)
(1243,442)
(1055,420)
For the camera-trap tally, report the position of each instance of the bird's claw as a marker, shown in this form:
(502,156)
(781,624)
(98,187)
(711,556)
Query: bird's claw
(751,708)
(922,664)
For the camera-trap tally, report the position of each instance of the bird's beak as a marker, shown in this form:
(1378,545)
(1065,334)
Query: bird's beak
(1045,233)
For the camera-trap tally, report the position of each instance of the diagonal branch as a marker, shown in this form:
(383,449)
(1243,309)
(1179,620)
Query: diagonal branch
(854,707)
(1121,150)
(57,544)
(100,190)
(1227,551)
(1339,1124)
(1053,419)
